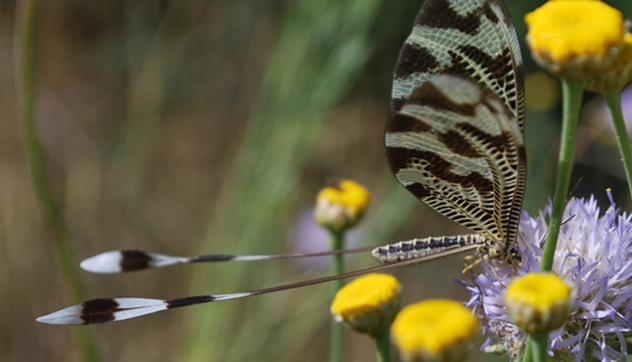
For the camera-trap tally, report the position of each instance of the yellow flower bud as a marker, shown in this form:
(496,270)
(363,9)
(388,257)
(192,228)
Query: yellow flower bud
(342,205)
(572,39)
(437,330)
(369,303)
(539,303)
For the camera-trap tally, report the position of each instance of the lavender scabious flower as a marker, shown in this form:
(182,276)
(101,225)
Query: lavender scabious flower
(594,255)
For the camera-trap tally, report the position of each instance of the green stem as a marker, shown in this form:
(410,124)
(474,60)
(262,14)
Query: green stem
(335,348)
(383,346)
(539,346)
(528,351)
(26,33)
(614,104)
(573,92)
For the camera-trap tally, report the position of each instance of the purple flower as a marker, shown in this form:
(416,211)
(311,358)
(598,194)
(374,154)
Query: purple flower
(594,255)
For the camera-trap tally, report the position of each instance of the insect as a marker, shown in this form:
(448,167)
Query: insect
(454,140)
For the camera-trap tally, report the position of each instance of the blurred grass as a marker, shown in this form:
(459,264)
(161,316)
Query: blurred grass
(26,65)
(181,127)
(321,51)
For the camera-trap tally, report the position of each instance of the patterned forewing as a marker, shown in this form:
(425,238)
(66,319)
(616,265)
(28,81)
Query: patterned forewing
(456,141)
(474,38)
(455,146)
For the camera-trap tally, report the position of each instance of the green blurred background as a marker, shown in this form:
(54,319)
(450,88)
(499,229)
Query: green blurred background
(186,127)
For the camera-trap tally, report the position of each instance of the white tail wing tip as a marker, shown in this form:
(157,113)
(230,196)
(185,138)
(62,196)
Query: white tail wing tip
(104,263)
(119,261)
(69,316)
(104,310)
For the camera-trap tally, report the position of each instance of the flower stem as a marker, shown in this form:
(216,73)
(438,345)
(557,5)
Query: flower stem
(383,346)
(538,347)
(614,104)
(26,39)
(335,347)
(573,92)
(528,351)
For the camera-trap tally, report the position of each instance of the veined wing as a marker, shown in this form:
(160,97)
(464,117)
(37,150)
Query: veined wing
(474,38)
(455,140)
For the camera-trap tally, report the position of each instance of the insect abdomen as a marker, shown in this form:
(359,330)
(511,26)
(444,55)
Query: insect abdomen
(417,248)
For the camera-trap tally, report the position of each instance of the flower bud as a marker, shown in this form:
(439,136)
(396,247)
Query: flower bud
(539,303)
(369,303)
(572,39)
(436,330)
(342,205)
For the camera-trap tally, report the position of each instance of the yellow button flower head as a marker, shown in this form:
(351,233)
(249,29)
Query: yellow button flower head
(539,303)
(369,303)
(438,330)
(342,205)
(573,38)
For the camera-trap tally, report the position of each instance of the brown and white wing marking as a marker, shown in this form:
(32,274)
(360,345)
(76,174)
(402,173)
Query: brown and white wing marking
(458,148)
(473,38)
(455,136)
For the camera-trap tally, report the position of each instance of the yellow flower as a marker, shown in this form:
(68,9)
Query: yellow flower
(368,304)
(573,38)
(437,330)
(539,303)
(342,205)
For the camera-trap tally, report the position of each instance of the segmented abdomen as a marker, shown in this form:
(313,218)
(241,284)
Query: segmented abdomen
(417,248)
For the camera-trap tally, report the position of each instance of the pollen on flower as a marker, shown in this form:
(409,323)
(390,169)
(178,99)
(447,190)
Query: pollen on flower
(434,328)
(538,303)
(368,304)
(574,36)
(341,206)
